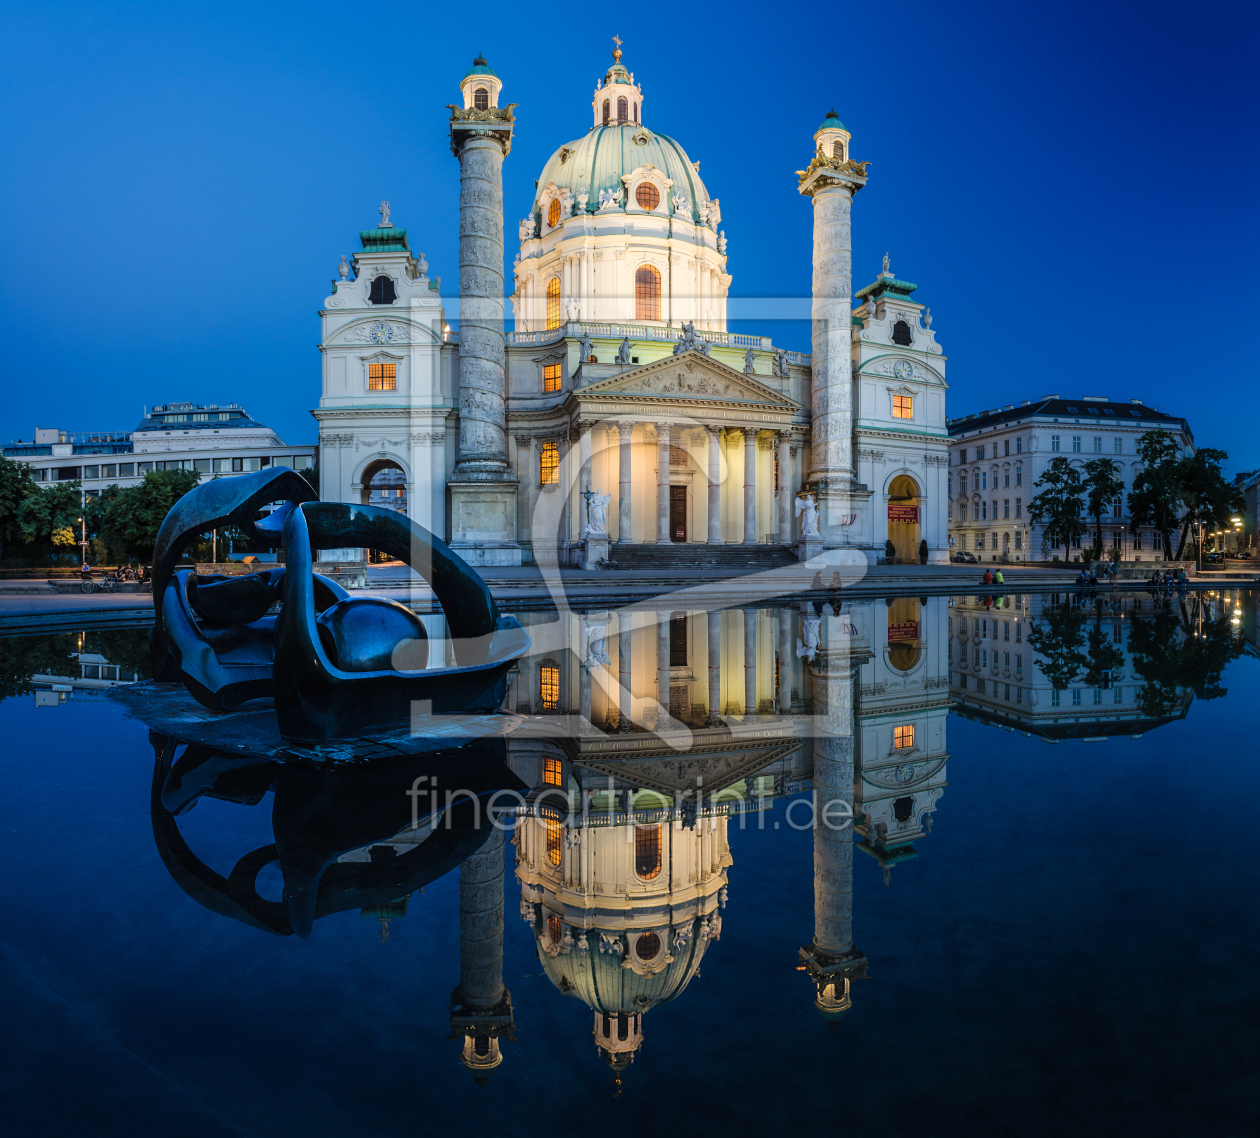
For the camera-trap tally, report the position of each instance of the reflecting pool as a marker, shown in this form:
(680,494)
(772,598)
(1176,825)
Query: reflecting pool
(898,867)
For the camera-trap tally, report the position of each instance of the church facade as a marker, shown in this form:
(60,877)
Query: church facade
(620,413)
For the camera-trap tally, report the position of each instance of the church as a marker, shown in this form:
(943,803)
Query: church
(620,419)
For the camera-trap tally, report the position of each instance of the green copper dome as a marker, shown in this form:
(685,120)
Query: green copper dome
(600,159)
(832,122)
(480,67)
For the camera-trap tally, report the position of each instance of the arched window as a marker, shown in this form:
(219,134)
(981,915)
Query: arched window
(647,946)
(606,112)
(901,333)
(553,213)
(382,291)
(549,465)
(553,856)
(647,851)
(553,303)
(647,195)
(647,293)
(555,927)
(481,99)
(623,111)
(636,112)
(837,148)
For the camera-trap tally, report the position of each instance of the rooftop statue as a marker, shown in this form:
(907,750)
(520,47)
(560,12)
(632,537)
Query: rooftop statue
(333,664)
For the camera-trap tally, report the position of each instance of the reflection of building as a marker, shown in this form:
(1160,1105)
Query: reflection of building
(999,455)
(215,439)
(91,676)
(998,677)
(620,375)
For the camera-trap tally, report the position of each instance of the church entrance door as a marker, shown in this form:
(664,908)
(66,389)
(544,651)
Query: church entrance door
(678,513)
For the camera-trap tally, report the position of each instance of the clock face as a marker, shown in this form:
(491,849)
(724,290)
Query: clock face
(380,333)
(902,369)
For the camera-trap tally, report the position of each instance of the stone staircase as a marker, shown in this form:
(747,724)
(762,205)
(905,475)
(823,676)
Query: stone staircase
(728,560)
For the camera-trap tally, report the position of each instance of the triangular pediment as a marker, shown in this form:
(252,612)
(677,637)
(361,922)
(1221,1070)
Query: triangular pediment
(693,377)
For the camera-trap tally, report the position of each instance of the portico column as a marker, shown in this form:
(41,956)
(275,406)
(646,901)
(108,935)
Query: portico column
(624,497)
(785,659)
(662,482)
(750,485)
(623,670)
(715,668)
(785,488)
(584,476)
(715,486)
(750,662)
(662,658)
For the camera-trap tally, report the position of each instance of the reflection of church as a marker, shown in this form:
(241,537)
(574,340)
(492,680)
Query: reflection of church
(621,376)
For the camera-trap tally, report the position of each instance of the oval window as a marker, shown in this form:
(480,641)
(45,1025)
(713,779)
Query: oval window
(648,946)
(647,196)
(553,213)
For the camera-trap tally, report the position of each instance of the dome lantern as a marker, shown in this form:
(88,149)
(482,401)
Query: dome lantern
(832,138)
(618,98)
(480,86)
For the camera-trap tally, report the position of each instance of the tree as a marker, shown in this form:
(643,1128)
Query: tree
(1208,496)
(311,474)
(52,515)
(130,518)
(1058,507)
(22,657)
(1156,495)
(1057,638)
(1103,484)
(16,485)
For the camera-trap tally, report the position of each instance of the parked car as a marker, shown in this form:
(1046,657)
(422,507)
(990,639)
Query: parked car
(963,556)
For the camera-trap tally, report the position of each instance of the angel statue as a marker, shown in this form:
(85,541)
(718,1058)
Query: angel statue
(526,228)
(597,650)
(597,512)
(808,648)
(609,199)
(808,513)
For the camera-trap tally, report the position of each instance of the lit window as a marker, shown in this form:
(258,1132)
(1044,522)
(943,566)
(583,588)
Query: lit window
(553,213)
(647,196)
(551,772)
(481,99)
(647,851)
(553,303)
(382,291)
(623,111)
(549,687)
(551,377)
(903,406)
(555,927)
(837,149)
(382,377)
(903,737)
(553,849)
(549,464)
(647,291)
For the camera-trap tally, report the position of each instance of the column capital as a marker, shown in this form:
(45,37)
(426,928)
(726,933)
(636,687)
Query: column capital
(751,433)
(663,429)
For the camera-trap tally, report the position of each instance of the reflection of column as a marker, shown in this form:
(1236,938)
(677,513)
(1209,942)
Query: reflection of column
(662,482)
(750,485)
(624,487)
(750,661)
(584,673)
(785,488)
(584,471)
(715,668)
(785,660)
(715,487)
(662,658)
(623,670)
(481,1007)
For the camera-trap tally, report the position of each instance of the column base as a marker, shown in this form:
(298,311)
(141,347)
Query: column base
(483,521)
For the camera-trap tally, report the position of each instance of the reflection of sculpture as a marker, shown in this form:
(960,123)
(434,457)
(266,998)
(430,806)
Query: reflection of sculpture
(329,660)
(597,512)
(809,647)
(808,513)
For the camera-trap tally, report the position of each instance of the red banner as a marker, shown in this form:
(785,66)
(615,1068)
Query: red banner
(903,513)
(907,631)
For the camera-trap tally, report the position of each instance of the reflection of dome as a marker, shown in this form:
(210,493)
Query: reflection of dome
(607,153)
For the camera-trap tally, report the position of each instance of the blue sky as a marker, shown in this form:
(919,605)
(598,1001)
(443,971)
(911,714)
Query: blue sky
(1071,185)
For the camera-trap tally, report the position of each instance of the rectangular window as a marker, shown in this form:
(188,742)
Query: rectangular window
(1076,697)
(110,471)
(1006,478)
(1019,659)
(1117,695)
(551,377)
(1118,442)
(202,464)
(1054,699)
(1006,507)
(1019,446)
(1115,508)
(549,464)
(984,657)
(244,465)
(975,657)
(222,466)
(984,480)
(549,687)
(282,460)
(984,516)
(126,470)
(1006,635)
(144,467)
(1097,445)
(1098,695)
(1019,537)
(1007,694)
(91,472)
(201,417)
(1006,446)
(962,511)
(903,407)
(678,641)
(984,630)
(1137,541)
(962,456)
(553,841)
(903,737)
(1054,442)
(1076,444)
(1006,659)
(1019,695)
(1019,507)
(1019,476)
(303,461)
(382,377)
(962,483)
(551,772)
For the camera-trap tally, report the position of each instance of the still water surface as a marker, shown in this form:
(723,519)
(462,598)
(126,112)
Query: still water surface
(1041,921)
